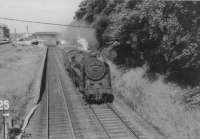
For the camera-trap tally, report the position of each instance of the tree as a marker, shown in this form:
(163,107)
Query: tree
(162,34)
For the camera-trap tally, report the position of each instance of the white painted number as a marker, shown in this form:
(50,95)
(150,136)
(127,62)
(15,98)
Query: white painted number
(4,104)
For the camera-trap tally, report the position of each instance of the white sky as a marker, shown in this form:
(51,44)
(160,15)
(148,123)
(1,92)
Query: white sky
(56,11)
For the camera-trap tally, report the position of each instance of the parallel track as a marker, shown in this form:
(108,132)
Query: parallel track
(59,123)
(67,107)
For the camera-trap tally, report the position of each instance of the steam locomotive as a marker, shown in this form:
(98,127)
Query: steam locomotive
(90,75)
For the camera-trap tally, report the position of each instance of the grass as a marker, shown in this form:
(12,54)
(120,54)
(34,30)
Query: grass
(18,70)
(158,102)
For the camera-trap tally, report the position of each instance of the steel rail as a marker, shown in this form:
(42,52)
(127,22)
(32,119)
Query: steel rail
(116,114)
(47,93)
(120,118)
(100,122)
(47,84)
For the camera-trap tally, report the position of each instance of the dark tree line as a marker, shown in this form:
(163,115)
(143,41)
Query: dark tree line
(165,35)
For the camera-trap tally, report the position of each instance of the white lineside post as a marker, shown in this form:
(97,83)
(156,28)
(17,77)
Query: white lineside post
(5,129)
(27,30)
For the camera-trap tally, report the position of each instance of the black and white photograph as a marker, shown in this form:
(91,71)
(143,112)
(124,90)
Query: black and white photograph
(99,69)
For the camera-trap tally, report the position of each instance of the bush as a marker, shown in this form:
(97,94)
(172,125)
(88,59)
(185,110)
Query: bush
(158,102)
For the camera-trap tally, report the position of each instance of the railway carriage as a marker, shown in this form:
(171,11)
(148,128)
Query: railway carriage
(90,75)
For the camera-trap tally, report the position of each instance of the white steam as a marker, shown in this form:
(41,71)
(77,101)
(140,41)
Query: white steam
(83,43)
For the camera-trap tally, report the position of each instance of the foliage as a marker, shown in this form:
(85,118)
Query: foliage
(161,34)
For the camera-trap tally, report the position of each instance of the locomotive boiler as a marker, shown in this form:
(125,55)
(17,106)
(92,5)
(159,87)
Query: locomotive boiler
(90,75)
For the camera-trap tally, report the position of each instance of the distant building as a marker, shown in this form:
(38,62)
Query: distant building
(45,34)
(48,38)
(3,25)
(4,32)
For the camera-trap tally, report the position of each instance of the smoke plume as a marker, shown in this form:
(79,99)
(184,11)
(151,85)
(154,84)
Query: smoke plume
(81,36)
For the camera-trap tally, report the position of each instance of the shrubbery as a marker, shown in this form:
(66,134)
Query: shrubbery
(161,34)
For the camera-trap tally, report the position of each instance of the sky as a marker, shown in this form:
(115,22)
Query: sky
(55,11)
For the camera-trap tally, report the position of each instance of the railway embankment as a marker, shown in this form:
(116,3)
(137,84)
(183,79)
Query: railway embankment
(41,77)
(38,89)
(18,83)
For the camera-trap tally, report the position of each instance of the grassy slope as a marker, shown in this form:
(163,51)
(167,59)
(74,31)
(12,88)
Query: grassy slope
(157,102)
(17,71)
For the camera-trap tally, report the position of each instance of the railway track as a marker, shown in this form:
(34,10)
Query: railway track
(78,119)
(59,123)
(114,126)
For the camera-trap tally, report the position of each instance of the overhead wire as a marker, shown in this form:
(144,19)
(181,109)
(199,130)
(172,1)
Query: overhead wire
(47,23)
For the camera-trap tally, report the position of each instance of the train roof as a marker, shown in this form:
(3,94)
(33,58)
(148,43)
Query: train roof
(75,50)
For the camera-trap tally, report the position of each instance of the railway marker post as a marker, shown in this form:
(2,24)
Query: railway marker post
(4,106)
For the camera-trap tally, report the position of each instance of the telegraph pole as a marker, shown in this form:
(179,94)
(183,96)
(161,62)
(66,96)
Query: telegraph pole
(27,29)
(15,34)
